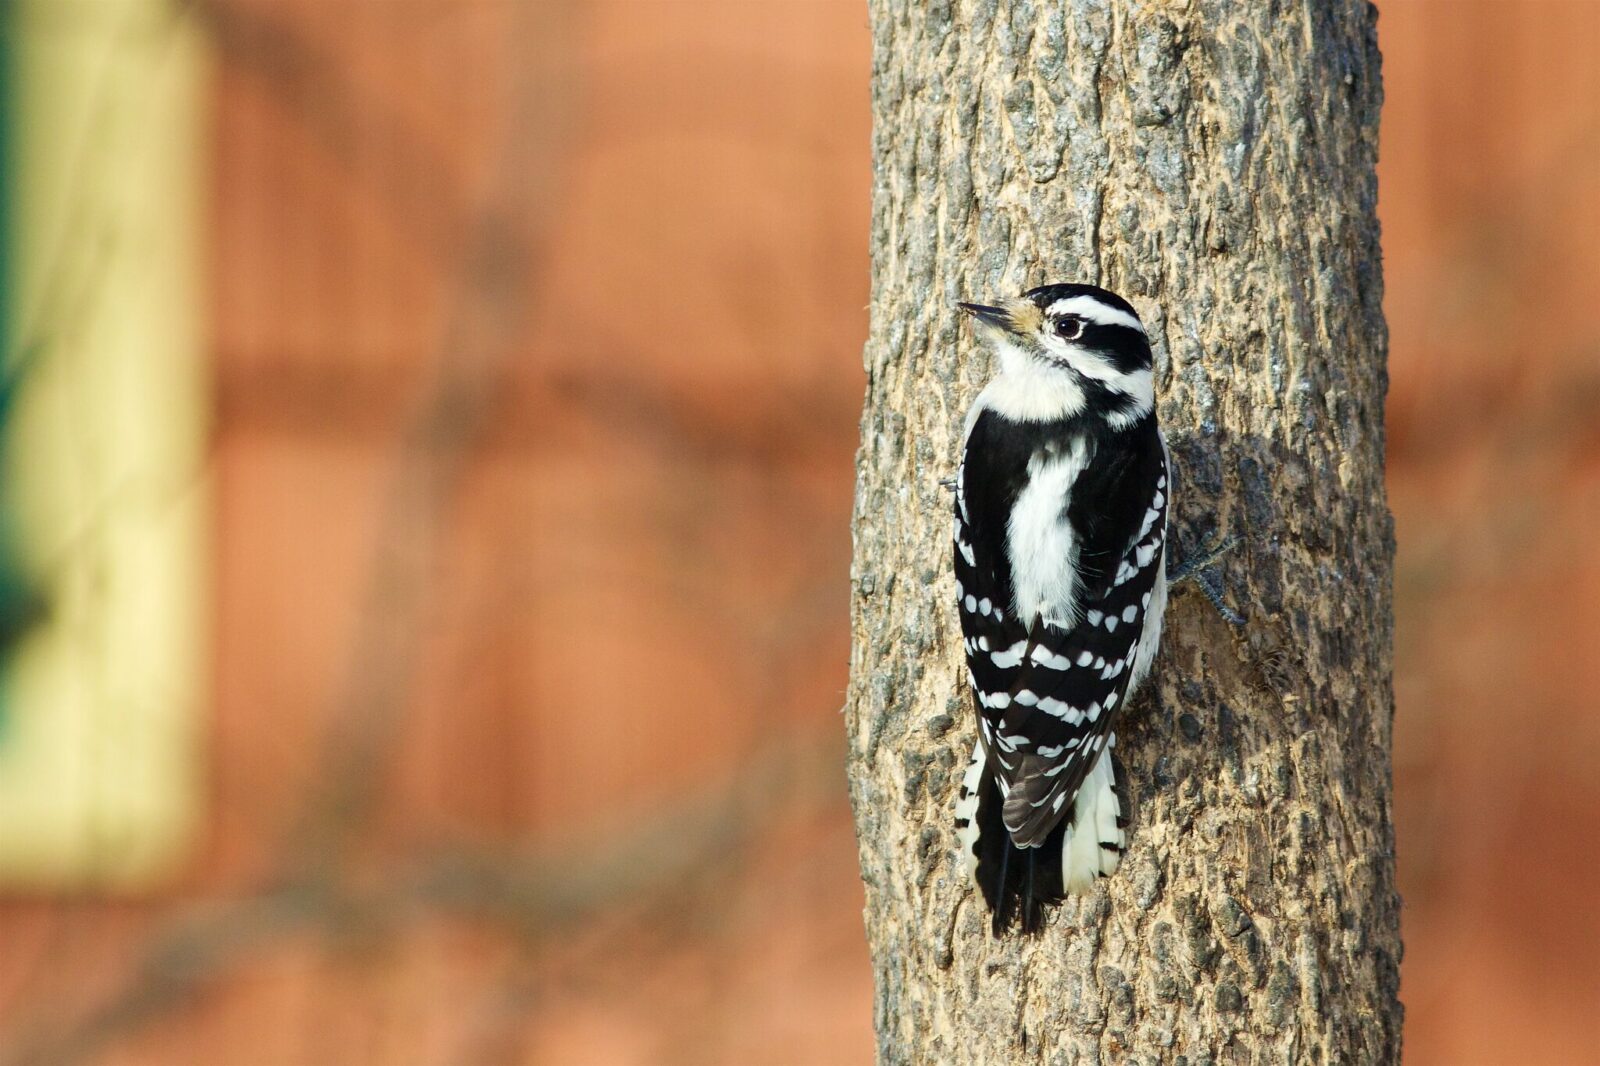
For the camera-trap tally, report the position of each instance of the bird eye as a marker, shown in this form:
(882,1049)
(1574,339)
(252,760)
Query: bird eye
(1069,327)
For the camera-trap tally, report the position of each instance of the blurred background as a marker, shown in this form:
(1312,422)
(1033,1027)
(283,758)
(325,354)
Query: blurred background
(427,433)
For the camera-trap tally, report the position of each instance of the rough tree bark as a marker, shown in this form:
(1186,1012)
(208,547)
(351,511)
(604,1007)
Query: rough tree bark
(1213,161)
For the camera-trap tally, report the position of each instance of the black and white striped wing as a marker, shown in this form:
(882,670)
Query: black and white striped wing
(983,599)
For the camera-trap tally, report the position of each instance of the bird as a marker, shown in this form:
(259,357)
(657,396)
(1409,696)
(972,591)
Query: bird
(1060,537)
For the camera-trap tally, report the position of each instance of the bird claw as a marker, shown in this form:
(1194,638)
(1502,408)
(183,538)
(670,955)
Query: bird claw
(1201,568)
(1210,583)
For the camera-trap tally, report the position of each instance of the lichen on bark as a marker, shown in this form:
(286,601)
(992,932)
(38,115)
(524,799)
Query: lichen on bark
(1214,163)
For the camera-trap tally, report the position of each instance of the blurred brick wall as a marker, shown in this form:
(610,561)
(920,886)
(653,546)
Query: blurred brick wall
(640,582)
(1490,197)
(625,603)
(639,585)
(642,578)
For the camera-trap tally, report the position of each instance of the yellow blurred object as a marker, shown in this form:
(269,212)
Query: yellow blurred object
(100,758)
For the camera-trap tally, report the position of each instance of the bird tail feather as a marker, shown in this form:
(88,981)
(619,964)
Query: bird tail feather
(1025,880)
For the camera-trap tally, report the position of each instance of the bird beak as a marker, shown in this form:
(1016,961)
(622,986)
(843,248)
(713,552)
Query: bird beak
(997,317)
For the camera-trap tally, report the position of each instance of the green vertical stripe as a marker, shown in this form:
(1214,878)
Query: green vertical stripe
(18,596)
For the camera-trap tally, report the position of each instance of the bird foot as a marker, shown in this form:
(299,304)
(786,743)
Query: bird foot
(1201,568)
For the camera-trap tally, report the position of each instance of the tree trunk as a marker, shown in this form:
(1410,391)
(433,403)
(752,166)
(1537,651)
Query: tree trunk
(1213,162)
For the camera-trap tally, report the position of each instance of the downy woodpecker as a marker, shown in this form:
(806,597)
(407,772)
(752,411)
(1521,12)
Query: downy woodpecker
(1060,564)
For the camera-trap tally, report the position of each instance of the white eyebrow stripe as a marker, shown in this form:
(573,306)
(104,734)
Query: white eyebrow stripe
(1092,310)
